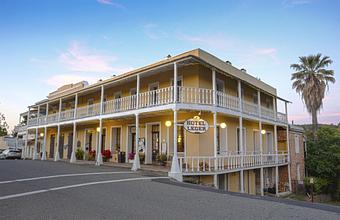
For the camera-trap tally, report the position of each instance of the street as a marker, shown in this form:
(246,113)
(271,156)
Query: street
(60,190)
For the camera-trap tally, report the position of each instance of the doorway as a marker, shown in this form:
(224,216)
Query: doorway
(115,139)
(69,145)
(155,141)
(61,146)
(153,96)
(52,143)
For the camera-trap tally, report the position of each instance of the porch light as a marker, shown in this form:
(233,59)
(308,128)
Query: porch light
(98,129)
(168,123)
(263,131)
(41,134)
(223,125)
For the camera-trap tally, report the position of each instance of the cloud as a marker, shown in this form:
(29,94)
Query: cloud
(293,3)
(152,31)
(63,79)
(81,59)
(110,2)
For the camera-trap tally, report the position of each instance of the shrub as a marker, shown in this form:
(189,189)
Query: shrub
(106,155)
(92,155)
(131,156)
(79,154)
(162,158)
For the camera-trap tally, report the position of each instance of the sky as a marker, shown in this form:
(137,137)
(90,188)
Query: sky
(47,43)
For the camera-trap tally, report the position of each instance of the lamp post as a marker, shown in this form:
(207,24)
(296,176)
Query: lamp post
(167,125)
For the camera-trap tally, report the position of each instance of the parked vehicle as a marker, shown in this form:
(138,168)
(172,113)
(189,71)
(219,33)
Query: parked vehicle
(10,154)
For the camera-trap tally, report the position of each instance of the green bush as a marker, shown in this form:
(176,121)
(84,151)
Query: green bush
(79,154)
(320,185)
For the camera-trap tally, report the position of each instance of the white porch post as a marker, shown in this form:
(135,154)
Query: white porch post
(56,155)
(215,148)
(214,86)
(175,171)
(99,160)
(275,108)
(136,162)
(74,143)
(288,148)
(137,92)
(35,145)
(26,138)
(102,100)
(38,115)
(47,107)
(276,162)
(242,152)
(261,153)
(75,106)
(25,148)
(175,82)
(59,113)
(43,157)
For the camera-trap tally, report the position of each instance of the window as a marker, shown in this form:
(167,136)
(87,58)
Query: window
(255,99)
(256,140)
(180,139)
(297,143)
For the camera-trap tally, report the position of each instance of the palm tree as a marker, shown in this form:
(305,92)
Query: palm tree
(311,81)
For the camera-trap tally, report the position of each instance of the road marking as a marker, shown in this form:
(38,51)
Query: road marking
(63,175)
(78,185)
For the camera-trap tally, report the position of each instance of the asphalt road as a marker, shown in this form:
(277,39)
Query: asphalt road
(59,190)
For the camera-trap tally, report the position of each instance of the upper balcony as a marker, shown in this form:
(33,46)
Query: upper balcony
(164,96)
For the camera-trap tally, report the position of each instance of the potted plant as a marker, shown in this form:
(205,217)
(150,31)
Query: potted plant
(79,154)
(106,155)
(92,155)
(162,158)
(141,157)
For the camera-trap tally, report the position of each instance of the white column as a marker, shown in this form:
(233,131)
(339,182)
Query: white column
(214,86)
(75,106)
(35,145)
(99,160)
(175,82)
(102,100)
(47,106)
(259,102)
(60,104)
(274,108)
(276,162)
(241,152)
(261,153)
(38,114)
(239,92)
(137,91)
(136,162)
(43,157)
(26,138)
(175,171)
(215,148)
(56,154)
(74,144)
(288,149)
(24,151)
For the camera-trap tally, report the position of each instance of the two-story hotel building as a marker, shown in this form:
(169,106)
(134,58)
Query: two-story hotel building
(147,110)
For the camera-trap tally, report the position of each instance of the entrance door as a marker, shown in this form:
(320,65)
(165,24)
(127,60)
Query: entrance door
(52,143)
(270,142)
(220,90)
(155,142)
(89,106)
(88,143)
(69,145)
(115,141)
(133,139)
(61,146)
(103,140)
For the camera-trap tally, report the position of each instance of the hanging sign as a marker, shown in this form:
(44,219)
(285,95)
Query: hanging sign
(196,125)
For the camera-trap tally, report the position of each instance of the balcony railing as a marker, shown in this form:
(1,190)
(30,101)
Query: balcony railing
(209,164)
(187,95)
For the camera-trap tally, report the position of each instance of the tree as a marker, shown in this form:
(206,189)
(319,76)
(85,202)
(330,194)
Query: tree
(3,125)
(311,81)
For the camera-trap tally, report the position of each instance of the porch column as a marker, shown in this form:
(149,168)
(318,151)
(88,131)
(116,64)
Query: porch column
(26,137)
(137,92)
(276,162)
(60,104)
(214,86)
(288,160)
(239,92)
(56,154)
(43,157)
(35,145)
(175,83)
(38,115)
(102,100)
(136,162)
(259,102)
(241,152)
(47,106)
(75,106)
(74,143)
(274,108)
(24,151)
(215,148)
(99,160)
(261,153)
(175,171)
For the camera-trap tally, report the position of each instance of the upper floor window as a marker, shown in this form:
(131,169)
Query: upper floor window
(179,81)
(255,100)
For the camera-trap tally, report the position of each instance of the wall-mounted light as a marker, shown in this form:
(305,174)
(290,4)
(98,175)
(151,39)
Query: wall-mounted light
(223,125)
(41,134)
(263,131)
(168,123)
(98,129)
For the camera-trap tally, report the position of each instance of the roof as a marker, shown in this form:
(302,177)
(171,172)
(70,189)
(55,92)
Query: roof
(199,54)
(296,128)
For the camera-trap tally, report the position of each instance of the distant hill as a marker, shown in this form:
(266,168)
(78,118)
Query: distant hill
(309,126)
